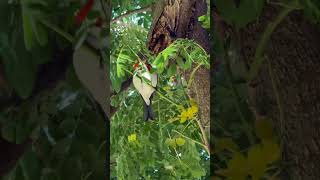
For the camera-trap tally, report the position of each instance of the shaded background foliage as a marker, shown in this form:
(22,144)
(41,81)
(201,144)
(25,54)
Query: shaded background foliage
(239,122)
(44,107)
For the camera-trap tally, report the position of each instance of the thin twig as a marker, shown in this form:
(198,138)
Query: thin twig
(192,75)
(258,56)
(203,145)
(129,13)
(204,136)
(57,30)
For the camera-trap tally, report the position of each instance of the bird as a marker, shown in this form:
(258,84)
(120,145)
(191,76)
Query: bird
(92,72)
(145,82)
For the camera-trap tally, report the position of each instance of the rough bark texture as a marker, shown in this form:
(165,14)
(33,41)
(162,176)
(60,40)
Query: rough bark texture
(179,19)
(293,53)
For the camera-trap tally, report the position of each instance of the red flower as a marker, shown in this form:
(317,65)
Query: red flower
(82,14)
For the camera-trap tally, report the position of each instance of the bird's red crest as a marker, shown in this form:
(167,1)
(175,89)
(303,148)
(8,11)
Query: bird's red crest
(135,66)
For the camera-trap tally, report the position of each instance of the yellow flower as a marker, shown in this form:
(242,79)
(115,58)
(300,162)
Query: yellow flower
(183,116)
(166,88)
(180,141)
(132,138)
(193,109)
(188,113)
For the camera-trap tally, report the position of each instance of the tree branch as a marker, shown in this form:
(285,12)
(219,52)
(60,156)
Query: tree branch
(124,86)
(129,13)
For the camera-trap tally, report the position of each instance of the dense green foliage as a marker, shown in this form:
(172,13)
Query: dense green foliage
(171,147)
(66,131)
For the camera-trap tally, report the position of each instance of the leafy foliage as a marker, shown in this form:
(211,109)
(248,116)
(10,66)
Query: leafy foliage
(184,52)
(60,125)
(242,14)
(171,147)
(246,147)
(126,42)
(162,149)
(66,134)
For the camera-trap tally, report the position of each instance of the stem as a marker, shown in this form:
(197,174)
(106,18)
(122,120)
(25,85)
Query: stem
(192,75)
(248,129)
(258,59)
(101,146)
(162,96)
(104,10)
(128,71)
(129,13)
(204,146)
(204,136)
(278,98)
(58,30)
(175,150)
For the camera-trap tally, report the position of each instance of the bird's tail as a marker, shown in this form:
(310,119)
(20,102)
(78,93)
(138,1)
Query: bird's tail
(148,113)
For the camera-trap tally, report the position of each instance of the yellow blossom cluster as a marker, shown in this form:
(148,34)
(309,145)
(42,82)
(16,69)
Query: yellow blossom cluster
(188,113)
(132,138)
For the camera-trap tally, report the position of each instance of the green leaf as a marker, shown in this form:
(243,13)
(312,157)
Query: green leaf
(140,21)
(122,61)
(40,32)
(226,143)
(171,142)
(81,36)
(22,131)
(205,21)
(116,81)
(202,18)
(264,129)
(5,13)
(260,156)
(198,172)
(29,39)
(30,166)
(311,9)
(172,70)
(8,131)
(68,125)
(239,16)
(159,59)
(237,168)
(15,174)
(19,71)
(62,146)
(34,32)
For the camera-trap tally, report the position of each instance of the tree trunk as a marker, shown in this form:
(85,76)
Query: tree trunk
(293,53)
(179,19)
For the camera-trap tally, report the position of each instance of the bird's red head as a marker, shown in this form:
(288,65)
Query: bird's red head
(135,66)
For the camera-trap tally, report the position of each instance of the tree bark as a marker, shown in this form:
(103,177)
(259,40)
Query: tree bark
(293,53)
(179,19)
